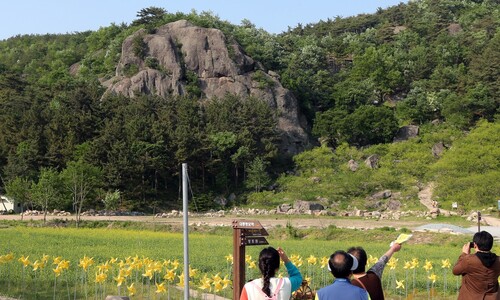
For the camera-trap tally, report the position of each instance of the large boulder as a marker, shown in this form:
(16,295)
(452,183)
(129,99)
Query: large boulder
(372,161)
(437,149)
(179,48)
(352,165)
(406,132)
(303,206)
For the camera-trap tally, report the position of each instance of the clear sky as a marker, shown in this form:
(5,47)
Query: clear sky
(67,16)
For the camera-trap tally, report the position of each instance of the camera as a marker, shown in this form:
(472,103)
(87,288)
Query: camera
(471,245)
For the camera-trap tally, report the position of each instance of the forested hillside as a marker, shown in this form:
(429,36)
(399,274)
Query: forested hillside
(433,64)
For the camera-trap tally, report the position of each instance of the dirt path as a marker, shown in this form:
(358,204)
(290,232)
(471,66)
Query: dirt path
(491,221)
(425,197)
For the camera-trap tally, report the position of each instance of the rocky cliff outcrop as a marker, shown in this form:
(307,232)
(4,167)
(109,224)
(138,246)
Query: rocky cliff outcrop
(164,63)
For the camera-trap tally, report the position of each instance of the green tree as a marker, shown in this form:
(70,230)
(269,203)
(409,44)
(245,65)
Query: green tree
(24,162)
(19,190)
(420,106)
(111,200)
(149,16)
(257,177)
(367,125)
(47,191)
(82,180)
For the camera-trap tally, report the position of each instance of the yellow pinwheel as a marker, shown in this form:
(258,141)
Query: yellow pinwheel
(9,257)
(414,263)
(160,288)
(312,260)
(400,284)
(296,260)
(192,272)
(119,280)
(25,260)
(372,260)
(229,258)
(170,275)
(121,263)
(252,265)
(157,266)
(427,266)
(104,267)
(218,286)
(166,263)
(148,273)
(86,262)
(175,264)
(45,258)
(64,264)
(206,283)
(324,262)
(126,272)
(57,271)
(392,263)
(216,277)
(56,260)
(433,277)
(131,290)
(100,277)
(38,265)
(225,282)
(407,265)
(6,258)
(445,263)
(181,280)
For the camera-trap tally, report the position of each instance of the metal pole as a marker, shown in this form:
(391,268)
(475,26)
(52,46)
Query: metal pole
(186,233)
(478,221)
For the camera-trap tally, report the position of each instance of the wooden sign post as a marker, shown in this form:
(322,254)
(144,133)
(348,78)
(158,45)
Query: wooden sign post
(245,233)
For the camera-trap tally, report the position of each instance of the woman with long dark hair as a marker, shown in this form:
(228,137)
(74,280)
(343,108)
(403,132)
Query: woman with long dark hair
(269,286)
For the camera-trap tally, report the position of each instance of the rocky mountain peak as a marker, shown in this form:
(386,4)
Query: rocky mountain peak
(179,57)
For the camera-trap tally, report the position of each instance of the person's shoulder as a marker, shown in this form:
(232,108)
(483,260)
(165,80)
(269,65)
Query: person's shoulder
(357,287)
(468,256)
(252,282)
(359,291)
(325,288)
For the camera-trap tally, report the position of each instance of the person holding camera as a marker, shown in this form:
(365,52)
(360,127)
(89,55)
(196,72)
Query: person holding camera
(480,270)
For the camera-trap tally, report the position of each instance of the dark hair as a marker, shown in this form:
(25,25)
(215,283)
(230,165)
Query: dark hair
(340,264)
(360,254)
(269,262)
(483,240)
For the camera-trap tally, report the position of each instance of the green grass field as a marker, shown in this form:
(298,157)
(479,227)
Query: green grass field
(114,251)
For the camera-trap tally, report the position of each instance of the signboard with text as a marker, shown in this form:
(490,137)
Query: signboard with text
(245,233)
